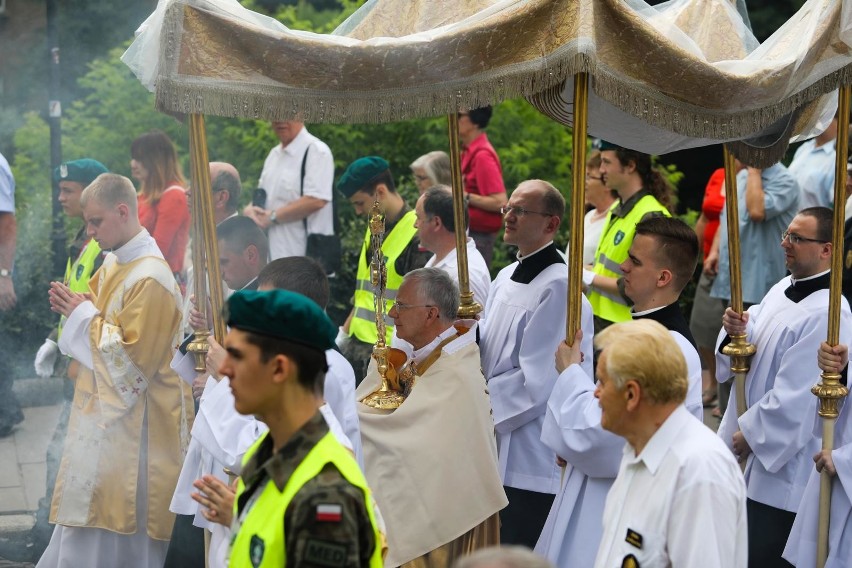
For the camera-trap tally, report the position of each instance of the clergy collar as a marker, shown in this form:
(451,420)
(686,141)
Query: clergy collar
(533,264)
(423,352)
(131,249)
(522,258)
(671,317)
(801,288)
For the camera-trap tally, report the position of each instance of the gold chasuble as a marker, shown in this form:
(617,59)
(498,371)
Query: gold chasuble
(432,462)
(131,414)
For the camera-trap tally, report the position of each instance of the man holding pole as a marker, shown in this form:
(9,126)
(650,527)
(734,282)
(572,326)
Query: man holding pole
(801,549)
(660,262)
(775,435)
(524,322)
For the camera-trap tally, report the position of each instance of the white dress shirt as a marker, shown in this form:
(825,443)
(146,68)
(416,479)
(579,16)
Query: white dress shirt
(478,274)
(281,178)
(680,502)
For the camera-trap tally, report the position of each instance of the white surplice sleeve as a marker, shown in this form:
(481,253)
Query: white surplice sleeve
(223,432)
(773,426)
(572,426)
(519,394)
(74,340)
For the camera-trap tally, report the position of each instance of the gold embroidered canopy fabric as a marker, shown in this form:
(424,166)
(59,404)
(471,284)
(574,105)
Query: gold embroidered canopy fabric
(689,68)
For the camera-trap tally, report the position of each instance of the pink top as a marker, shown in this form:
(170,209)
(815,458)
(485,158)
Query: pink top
(483,175)
(168,222)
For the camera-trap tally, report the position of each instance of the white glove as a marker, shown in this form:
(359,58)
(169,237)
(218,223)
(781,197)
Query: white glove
(342,338)
(588,277)
(45,358)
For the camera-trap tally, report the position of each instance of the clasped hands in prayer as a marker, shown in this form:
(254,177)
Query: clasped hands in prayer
(63,300)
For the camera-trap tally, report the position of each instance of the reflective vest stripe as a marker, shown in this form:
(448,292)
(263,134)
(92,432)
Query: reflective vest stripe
(259,541)
(366,314)
(368,286)
(610,265)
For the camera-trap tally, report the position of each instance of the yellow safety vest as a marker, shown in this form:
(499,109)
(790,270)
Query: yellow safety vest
(612,251)
(363,324)
(259,541)
(79,272)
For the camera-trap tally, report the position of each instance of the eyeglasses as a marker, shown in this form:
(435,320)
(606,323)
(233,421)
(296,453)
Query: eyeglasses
(520,211)
(399,306)
(798,239)
(599,178)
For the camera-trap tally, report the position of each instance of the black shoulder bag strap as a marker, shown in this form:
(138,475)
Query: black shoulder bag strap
(336,222)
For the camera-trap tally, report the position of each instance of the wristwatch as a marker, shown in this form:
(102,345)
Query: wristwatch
(5,273)
(272,217)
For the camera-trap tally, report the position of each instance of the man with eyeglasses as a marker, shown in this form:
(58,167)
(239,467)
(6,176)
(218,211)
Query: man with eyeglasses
(523,324)
(775,436)
(435,512)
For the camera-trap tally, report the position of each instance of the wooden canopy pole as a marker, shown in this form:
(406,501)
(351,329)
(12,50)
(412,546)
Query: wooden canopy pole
(205,249)
(578,206)
(830,391)
(739,350)
(468,307)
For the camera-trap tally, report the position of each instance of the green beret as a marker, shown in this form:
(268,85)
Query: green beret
(82,171)
(360,173)
(282,314)
(609,146)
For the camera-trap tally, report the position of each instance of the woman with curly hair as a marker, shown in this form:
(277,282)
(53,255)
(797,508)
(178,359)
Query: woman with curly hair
(163,206)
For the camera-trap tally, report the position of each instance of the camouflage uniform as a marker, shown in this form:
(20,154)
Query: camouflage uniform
(309,541)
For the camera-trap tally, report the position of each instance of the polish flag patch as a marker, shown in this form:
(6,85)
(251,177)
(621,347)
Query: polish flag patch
(329,513)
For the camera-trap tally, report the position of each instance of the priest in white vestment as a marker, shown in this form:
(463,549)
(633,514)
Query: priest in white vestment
(775,435)
(131,414)
(432,462)
(523,324)
(659,264)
